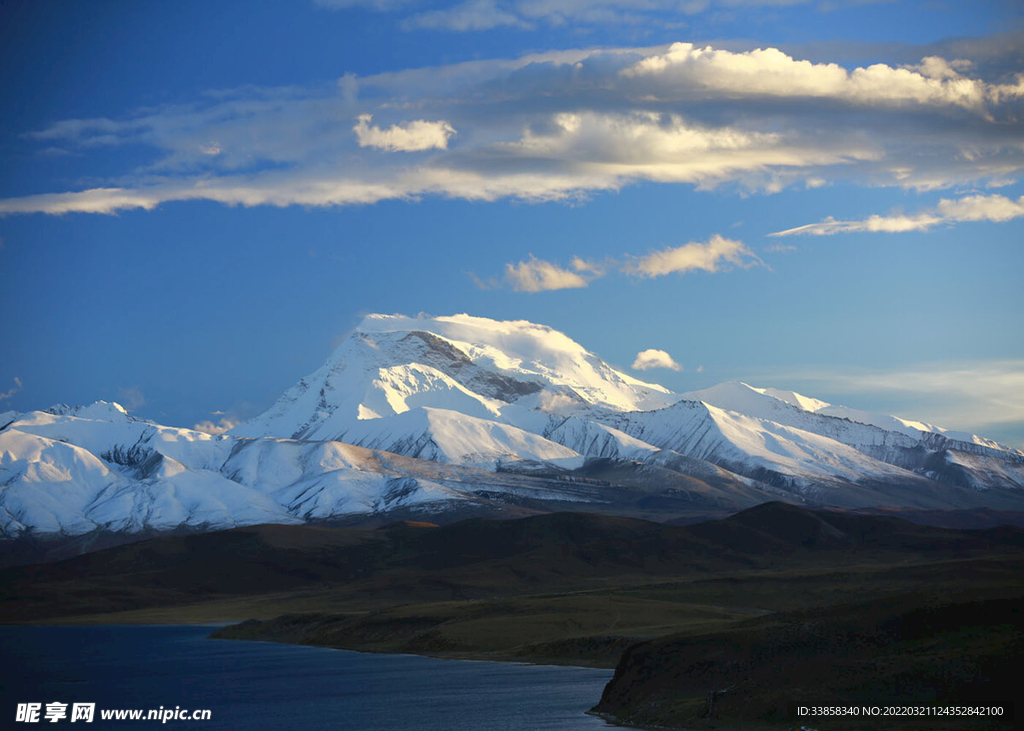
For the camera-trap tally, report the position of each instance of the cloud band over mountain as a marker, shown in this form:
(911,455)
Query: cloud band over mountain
(550,126)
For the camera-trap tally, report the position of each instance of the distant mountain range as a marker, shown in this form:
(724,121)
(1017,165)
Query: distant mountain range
(456,416)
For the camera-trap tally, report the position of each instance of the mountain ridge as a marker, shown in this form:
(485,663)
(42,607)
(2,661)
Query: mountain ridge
(423,416)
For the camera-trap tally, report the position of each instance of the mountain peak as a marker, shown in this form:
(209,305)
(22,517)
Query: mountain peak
(516,339)
(103,410)
(392,364)
(736,395)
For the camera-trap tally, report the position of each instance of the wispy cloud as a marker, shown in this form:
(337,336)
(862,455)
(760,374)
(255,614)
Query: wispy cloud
(378,5)
(710,256)
(653,358)
(995,208)
(468,16)
(482,15)
(131,397)
(10,392)
(553,126)
(964,395)
(590,267)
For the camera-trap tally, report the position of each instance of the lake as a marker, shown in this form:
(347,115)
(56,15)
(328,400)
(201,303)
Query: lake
(258,685)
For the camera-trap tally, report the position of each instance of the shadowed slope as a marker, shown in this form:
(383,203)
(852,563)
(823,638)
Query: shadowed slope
(472,558)
(910,650)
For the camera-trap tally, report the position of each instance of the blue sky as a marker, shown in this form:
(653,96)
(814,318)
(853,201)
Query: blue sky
(199,200)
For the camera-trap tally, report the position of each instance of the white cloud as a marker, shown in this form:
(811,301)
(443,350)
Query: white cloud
(667,148)
(224,424)
(685,69)
(981,208)
(994,208)
(554,126)
(407,137)
(651,358)
(537,275)
(10,392)
(710,256)
(555,402)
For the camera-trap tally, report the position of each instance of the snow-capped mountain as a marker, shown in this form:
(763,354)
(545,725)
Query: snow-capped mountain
(449,389)
(502,371)
(461,413)
(775,404)
(74,471)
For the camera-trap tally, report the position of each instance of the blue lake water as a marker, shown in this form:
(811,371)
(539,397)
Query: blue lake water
(262,686)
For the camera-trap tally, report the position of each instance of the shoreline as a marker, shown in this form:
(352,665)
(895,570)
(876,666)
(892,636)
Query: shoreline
(218,625)
(264,631)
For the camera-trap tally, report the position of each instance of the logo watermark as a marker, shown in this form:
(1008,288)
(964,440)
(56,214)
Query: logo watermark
(86,713)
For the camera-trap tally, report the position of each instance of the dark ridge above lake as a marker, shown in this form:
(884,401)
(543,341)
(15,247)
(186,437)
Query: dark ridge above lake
(475,558)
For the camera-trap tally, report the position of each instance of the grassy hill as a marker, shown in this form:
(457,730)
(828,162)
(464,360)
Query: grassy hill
(775,606)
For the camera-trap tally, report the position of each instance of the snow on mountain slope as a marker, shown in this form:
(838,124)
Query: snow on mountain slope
(55,487)
(108,431)
(459,389)
(387,385)
(791,397)
(172,496)
(752,446)
(771,403)
(48,484)
(740,398)
(74,470)
(917,429)
(594,439)
(979,472)
(324,479)
(534,353)
(442,435)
